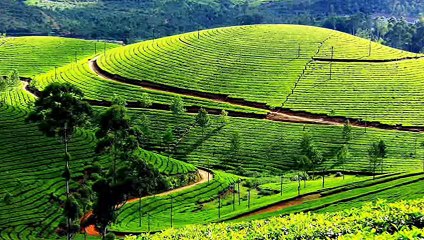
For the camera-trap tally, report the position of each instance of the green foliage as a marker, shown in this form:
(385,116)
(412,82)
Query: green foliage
(379,219)
(59,110)
(235,144)
(145,100)
(202,119)
(224,117)
(177,105)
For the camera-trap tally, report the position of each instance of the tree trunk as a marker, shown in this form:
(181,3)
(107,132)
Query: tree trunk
(68,220)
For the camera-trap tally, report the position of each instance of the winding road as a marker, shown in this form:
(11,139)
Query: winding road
(204,176)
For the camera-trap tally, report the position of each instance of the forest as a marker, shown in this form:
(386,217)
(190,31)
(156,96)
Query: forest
(392,22)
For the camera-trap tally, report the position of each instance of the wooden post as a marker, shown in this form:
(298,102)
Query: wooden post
(219,206)
(139,210)
(369,50)
(104,48)
(95,47)
(234,197)
(55,73)
(298,184)
(248,198)
(148,222)
(281,185)
(239,191)
(298,51)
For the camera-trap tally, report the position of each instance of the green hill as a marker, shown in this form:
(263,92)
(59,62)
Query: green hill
(285,66)
(35,55)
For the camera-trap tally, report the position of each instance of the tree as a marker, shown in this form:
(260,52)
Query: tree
(143,124)
(373,153)
(145,100)
(177,105)
(235,145)
(382,27)
(223,117)
(308,150)
(303,164)
(115,134)
(203,120)
(13,78)
(10,81)
(59,110)
(382,153)
(342,156)
(168,139)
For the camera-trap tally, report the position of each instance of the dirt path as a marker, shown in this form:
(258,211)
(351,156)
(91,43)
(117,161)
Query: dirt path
(342,60)
(282,205)
(278,114)
(25,88)
(204,176)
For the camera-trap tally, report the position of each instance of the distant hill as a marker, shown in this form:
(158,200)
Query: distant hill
(138,20)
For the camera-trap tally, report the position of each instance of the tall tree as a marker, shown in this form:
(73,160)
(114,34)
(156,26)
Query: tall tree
(177,105)
(308,149)
(382,153)
(59,110)
(223,117)
(203,120)
(168,140)
(116,135)
(373,157)
(235,145)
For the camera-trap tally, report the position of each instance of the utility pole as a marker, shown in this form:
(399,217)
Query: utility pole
(298,185)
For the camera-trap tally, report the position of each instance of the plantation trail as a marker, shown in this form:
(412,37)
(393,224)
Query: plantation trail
(204,176)
(277,114)
(25,86)
(282,205)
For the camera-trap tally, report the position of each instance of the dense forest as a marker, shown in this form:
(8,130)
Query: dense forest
(393,22)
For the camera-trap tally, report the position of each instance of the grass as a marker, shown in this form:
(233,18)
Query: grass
(35,55)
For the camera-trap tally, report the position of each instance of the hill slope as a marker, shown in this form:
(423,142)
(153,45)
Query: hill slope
(295,67)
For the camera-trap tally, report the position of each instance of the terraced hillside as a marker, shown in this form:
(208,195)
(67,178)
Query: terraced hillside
(294,67)
(248,71)
(35,55)
(268,146)
(32,165)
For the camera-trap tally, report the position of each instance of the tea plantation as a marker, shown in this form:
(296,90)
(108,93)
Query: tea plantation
(255,187)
